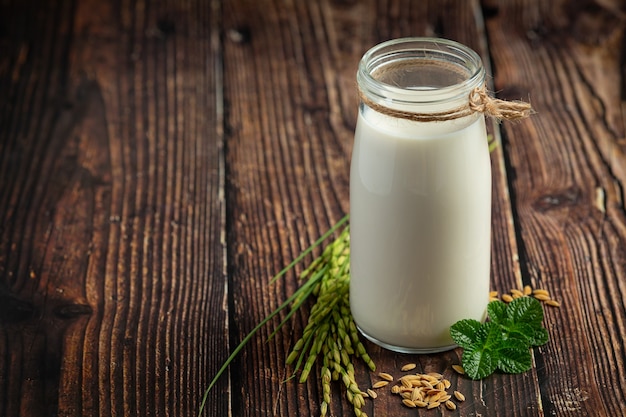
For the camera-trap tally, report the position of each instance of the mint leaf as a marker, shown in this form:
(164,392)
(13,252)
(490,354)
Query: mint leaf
(503,342)
(496,310)
(481,358)
(514,359)
(525,310)
(465,332)
(489,336)
(478,363)
(540,337)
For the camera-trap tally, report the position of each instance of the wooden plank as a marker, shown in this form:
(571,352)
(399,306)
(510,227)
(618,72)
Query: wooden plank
(112,176)
(568,164)
(289,85)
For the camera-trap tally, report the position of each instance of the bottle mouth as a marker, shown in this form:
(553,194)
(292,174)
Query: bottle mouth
(419,71)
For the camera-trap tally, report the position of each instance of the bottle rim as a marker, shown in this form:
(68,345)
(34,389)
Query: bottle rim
(448,54)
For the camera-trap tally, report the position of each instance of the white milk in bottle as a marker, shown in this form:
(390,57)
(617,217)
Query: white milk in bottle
(420,195)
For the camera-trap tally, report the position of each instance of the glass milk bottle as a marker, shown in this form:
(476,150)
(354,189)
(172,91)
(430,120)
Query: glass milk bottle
(420,195)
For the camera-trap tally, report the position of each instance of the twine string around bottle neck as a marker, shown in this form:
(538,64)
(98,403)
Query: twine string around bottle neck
(479,101)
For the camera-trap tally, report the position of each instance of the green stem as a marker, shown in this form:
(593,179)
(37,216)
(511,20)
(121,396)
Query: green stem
(273,313)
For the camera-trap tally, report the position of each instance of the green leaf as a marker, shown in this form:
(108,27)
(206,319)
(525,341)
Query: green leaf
(521,332)
(465,332)
(504,342)
(496,310)
(514,357)
(525,310)
(480,358)
(489,336)
(478,363)
(540,337)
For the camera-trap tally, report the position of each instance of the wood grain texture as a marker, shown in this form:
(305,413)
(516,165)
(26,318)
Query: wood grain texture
(289,82)
(112,181)
(161,160)
(568,187)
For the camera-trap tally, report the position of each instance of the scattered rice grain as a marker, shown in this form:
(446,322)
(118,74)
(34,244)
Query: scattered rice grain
(517,292)
(380,384)
(450,405)
(459,396)
(433,405)
(408,367)
(408,403)
(458,369)
(385,376)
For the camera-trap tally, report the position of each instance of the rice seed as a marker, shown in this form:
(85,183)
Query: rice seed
(421,404)
(408,367)
(450,405)
(446,383)
(527,290)
(441,386)
(323,408)
(372,393)
(436,397)
(459,396)
(493,294)
(433,405)
(541,292)
(406,383)
(553,303)
(517,292)
(385,376)
(358,400)
(507,298)
(431,379)
(427,385)
(542,297)
(395,389)
(458,369)
(445,398)
(436,375)
(380,384)
(408,403)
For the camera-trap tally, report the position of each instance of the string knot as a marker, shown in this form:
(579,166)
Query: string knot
(479,101)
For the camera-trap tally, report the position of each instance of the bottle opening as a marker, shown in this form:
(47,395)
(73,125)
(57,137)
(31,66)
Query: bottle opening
(419,71)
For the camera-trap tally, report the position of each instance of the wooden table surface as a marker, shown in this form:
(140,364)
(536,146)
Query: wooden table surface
(161,160)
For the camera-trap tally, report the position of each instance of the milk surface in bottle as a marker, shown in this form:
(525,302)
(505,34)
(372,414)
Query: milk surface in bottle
(420,195)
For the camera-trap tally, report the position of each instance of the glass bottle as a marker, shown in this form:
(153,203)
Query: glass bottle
(420,195)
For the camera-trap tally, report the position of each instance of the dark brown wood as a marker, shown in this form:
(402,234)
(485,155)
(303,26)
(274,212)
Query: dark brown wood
(112,180)
(568,189)
(161,161)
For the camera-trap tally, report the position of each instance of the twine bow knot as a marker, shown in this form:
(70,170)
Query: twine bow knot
(479,101)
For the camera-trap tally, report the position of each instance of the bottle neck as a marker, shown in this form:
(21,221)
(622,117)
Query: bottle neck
(420,79)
